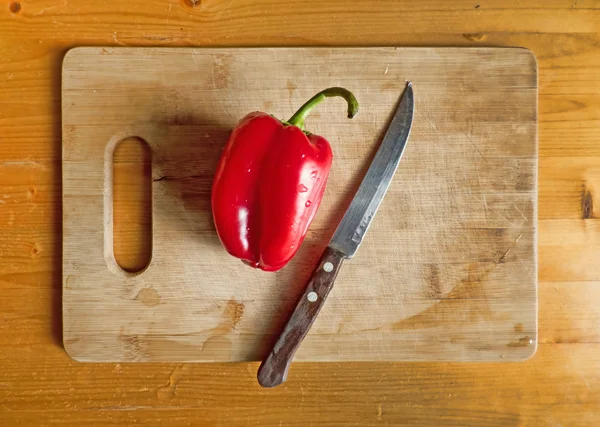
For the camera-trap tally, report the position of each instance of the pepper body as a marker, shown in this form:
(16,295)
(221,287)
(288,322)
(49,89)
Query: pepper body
(267,190)
(268,187)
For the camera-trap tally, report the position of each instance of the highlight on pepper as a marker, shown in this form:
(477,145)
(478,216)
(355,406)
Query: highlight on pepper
(269,184)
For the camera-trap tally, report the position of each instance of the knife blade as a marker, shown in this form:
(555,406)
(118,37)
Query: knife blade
(343,245)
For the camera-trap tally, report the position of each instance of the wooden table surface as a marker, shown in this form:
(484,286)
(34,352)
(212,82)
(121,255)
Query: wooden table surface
(40,385)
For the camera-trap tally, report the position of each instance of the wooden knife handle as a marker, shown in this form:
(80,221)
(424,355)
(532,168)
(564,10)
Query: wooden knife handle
(274,369)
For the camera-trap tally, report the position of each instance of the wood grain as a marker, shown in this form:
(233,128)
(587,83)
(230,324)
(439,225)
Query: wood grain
(449,261)
(40,385)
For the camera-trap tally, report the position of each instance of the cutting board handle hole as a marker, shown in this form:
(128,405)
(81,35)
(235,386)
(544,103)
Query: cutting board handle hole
(132,204)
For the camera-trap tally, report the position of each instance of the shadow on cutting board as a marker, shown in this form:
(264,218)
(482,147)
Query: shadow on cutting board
(182,174)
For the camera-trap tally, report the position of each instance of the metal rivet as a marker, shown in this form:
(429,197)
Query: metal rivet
(328,267)
(312,296)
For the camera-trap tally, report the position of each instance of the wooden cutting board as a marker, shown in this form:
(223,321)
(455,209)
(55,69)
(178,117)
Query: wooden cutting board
(447,271)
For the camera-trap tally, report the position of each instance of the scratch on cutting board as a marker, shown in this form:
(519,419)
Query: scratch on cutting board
(164,87)
(212,72)
(439,135)
(493,211)
(473,144)
(518,210)
(196,63)
(503,257)
(485,206)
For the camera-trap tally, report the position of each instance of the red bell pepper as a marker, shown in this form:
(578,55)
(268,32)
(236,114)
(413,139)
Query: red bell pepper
(269,184)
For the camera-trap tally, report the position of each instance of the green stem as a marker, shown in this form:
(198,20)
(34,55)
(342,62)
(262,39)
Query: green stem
(299,116)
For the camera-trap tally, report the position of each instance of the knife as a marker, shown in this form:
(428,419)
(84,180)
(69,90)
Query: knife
(343,245)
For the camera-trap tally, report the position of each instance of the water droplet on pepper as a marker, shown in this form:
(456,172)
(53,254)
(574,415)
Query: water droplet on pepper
(302,188)
(308,203)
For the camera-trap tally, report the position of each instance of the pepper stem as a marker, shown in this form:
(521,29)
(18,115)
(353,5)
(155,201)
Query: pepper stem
(299,116)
